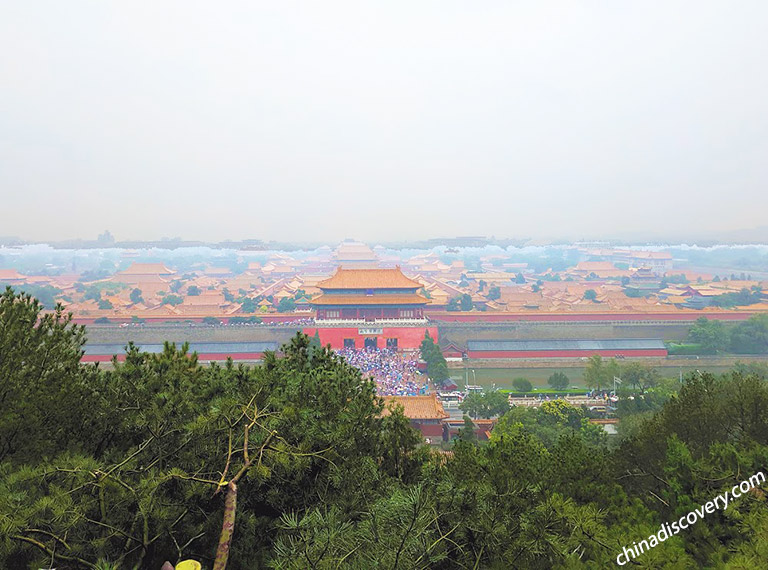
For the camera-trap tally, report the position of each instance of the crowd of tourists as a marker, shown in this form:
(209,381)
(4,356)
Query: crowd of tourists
(394,372)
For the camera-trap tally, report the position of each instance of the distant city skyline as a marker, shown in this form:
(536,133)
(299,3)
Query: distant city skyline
(757,235)
(301,122)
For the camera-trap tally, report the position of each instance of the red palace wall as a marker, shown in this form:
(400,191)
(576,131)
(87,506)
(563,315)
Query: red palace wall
(490,317)
(407,337)
(202,356)
(428,430)
(269,318)
(473,317)
(562,353)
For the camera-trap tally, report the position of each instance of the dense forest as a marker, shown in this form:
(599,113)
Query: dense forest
(296,464)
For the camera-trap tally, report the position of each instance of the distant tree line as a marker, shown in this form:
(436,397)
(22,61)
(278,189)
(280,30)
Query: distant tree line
(714,337)
(742,298)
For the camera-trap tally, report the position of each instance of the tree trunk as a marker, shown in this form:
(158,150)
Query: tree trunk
(227,529)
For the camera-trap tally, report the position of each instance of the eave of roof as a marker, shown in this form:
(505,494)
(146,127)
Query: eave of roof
(417,407)
(404,299)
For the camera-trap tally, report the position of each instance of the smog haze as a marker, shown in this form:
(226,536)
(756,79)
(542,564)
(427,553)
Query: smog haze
(397,120)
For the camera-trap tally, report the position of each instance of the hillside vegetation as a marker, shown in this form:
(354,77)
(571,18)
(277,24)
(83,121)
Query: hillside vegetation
(131,467)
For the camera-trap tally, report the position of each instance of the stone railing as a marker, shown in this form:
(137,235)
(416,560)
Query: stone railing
(363,322)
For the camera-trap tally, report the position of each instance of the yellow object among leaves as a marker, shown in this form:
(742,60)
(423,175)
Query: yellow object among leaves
(188,565)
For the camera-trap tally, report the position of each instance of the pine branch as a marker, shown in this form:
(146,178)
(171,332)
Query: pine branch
(52,553)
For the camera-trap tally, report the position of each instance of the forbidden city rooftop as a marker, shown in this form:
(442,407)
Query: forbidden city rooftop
(368,279)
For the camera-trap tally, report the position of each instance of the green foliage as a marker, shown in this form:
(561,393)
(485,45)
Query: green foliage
(399,531)
(522,385)
(437,367)
(105,304)
(193,290)
(94,274)
(494,293)
(559,381)
(136,296)
(153,444)
(485,405)
(711,335)
(467,431)
(645,405)
(599,373)
(286,305)
(759,369)
(465,302)
(548,423)
(92,293)
(124,468)
(249,305)
(742,298)
(45,294)
(751,336)
(590,295)
(314,342)
(708,438)
(173,300)
(41,379)
(211,321)
(519,279)
(633,293)
(676,349)
(639,375)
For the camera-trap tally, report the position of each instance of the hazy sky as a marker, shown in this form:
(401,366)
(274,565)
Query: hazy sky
(381,120)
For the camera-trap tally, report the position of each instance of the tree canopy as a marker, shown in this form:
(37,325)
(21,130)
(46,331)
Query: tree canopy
(599,373)
(485,405)
(710,334)
(136,296)
(437,367)
(559,381)
(296,463)
(522,384)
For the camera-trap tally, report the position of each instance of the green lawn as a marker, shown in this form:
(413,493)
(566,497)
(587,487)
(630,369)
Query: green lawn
(502,377)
